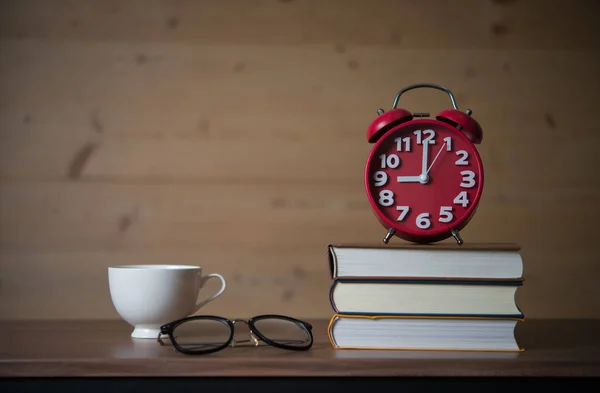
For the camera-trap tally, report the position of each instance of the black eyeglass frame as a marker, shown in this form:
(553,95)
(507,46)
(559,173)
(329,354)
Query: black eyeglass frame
(169,328)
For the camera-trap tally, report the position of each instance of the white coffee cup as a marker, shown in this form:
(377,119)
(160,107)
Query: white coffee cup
(148,296)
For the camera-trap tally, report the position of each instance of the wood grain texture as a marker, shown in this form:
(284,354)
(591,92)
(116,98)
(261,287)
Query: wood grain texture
(232,134)
(408,23)
(72,348)
(294,287)
(111,115)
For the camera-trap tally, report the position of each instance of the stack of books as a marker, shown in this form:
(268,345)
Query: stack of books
(425,297)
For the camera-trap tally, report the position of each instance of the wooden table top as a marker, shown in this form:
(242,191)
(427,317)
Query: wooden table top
(105,349)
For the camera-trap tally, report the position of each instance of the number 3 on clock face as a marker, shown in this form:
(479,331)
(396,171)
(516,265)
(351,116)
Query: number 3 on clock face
(424,180)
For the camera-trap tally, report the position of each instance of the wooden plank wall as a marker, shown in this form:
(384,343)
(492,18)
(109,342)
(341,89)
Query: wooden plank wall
(231,134)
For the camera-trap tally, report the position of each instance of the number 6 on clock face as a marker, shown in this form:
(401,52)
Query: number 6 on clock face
(424,180)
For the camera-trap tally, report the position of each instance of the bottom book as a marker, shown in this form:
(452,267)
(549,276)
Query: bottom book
(423,333)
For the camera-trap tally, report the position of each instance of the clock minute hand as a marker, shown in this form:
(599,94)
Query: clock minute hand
(424,163)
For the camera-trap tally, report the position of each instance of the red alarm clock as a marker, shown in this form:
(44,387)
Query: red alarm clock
(424,176)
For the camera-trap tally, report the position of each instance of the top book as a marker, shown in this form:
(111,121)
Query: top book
(489,261)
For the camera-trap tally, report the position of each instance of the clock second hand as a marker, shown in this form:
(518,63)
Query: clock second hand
(436,157)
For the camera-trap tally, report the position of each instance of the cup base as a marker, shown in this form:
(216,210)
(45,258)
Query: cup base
(146,332)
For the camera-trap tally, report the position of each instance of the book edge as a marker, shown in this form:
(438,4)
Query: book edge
(513,283)
(480,246)
(332,261)
(337,316)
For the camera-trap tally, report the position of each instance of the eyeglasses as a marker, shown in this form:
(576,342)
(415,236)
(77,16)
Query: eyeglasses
(203,334)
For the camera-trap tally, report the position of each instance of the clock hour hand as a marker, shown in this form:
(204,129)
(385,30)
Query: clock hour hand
(423,179)
(408,179)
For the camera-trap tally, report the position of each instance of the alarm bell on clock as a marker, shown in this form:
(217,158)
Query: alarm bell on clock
(423,175)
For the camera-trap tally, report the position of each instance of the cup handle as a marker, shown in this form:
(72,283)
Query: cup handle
(203,281)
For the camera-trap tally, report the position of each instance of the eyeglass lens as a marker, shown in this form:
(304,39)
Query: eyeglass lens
(201,334)
(282,331)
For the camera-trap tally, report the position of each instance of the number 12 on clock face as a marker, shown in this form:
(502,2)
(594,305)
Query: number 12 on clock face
(424,180)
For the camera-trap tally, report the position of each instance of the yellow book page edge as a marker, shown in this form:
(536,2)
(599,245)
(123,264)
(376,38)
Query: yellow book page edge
(335,346)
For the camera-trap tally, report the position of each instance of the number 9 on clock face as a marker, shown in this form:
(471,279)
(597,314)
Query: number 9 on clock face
(424,180)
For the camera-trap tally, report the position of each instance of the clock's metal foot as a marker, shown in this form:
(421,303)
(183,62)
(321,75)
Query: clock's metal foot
(389,235)
(456,236)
